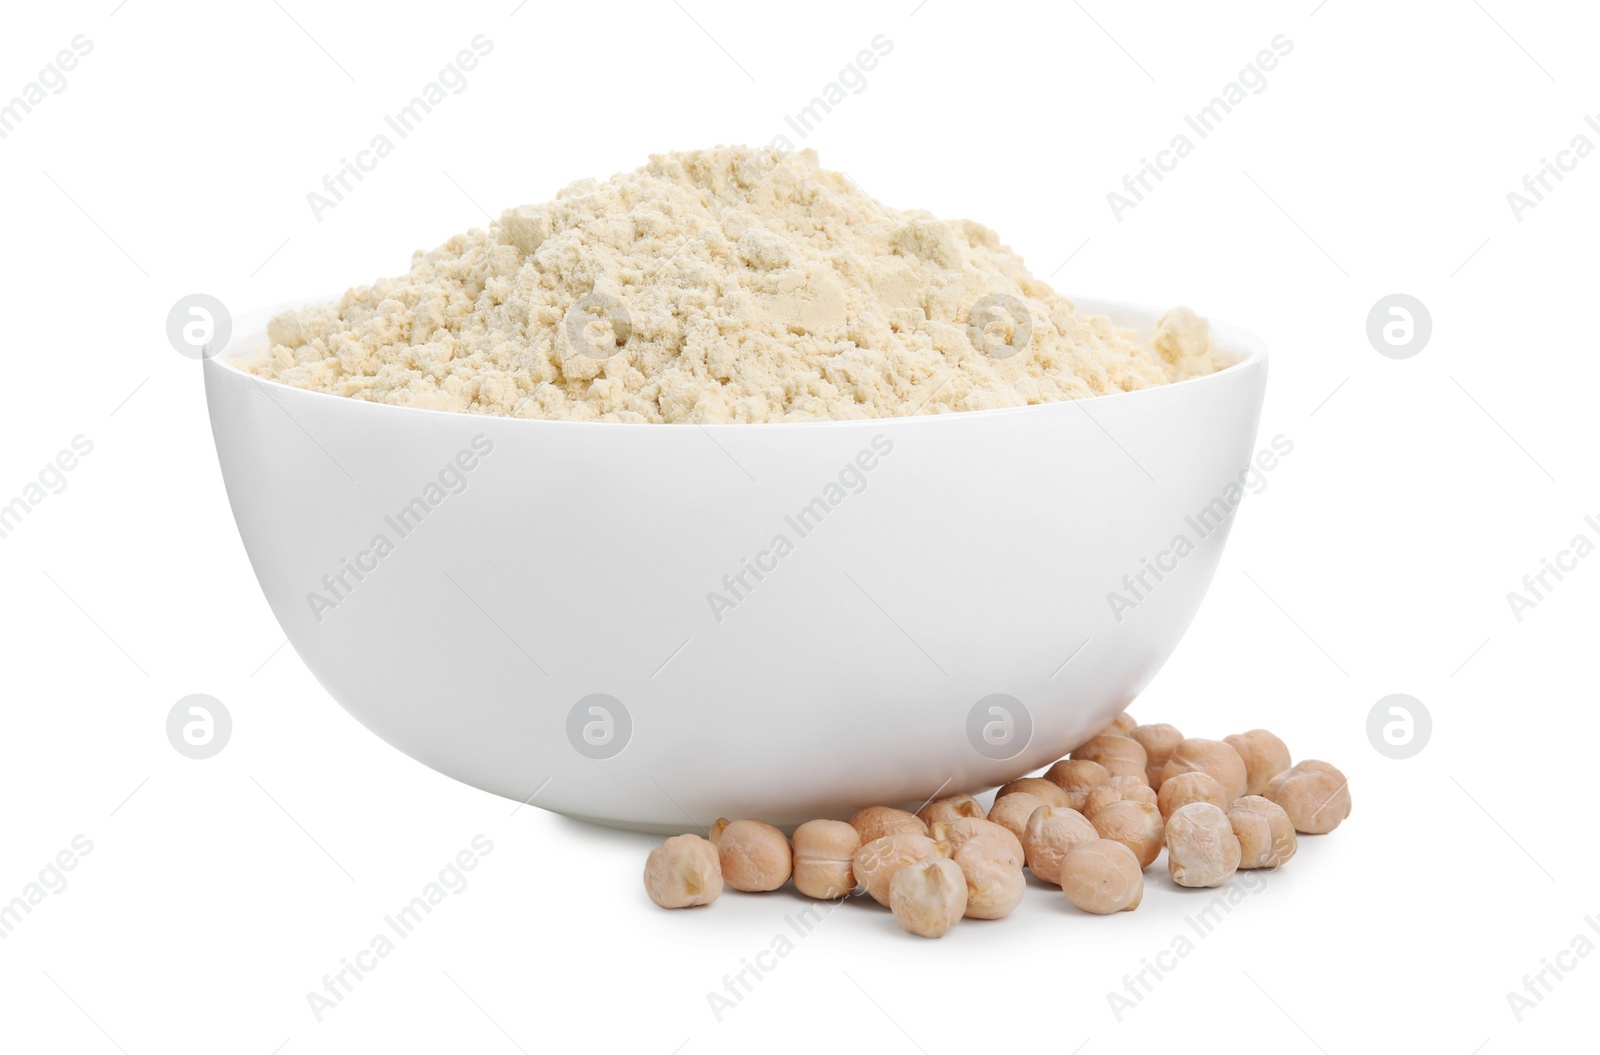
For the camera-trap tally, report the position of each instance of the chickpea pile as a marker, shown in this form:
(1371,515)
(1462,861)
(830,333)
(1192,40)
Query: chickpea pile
(1091,825)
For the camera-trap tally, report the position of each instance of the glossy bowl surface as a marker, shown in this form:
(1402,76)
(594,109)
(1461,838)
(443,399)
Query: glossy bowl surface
(653,626)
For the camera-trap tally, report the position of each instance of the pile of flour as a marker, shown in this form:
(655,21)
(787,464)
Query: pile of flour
(725,285)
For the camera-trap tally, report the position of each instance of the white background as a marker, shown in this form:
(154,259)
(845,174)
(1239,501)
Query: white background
(1377,160)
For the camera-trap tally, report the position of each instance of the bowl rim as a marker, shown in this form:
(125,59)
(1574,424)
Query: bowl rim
(1248,346)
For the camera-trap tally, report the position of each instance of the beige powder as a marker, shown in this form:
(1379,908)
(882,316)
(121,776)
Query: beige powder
(715,286)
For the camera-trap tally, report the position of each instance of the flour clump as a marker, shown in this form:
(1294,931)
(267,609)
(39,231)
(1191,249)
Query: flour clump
(723,285)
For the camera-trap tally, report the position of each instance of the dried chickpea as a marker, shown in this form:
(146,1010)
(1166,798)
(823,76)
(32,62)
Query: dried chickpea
(1201,847)
(1158,742)
(1136,825)
(949,809)
(876,862)
(823,852)
(1047,790)
(1076,776)
(963,830)
(1208,756)
(928,897)
(1191,787)
(1265,756)
(1102,876)
(683,872)
(1121,725)
(1120,755)
(993,871)
(755,856)
(1117,789)
(1266,834)
(1012,811)
(1051,833)
(874,822)
(1315,795)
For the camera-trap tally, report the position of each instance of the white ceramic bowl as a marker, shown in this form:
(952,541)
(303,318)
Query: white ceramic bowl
(539,624)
